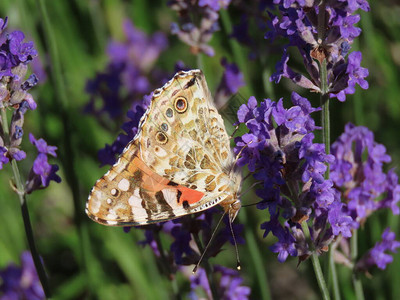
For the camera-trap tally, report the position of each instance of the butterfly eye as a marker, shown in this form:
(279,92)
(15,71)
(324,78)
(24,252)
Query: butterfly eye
(180,104)
(161,137)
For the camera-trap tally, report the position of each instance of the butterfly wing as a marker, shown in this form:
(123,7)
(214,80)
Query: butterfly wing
(130,193)
(178,163)
(189,144)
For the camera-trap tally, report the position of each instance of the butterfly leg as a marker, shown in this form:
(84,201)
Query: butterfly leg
(234,209)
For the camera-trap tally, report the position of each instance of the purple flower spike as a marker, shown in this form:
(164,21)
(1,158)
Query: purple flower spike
(200,280)
(21,282)
(130,73)
(197,32)
(42,172)
(279,150)
(298,24)
(230,284)
(358,169)
(378,255)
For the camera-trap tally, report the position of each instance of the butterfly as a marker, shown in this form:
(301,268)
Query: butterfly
(179,162)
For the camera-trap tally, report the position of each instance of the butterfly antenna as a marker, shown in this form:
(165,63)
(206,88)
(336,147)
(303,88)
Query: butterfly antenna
(249,189)
(236,247)
(208,244)
(233,133)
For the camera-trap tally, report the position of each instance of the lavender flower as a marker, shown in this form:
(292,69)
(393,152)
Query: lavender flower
(359,173)
(21,282)
(378,256)
(183,249)
(130,73)
(279,150)
(229,284)
(108,154)
(197,34)
(42,172)
(299,25)
(200,280)
(15,55)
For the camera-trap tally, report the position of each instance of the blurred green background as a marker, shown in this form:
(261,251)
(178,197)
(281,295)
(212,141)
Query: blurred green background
(86,260)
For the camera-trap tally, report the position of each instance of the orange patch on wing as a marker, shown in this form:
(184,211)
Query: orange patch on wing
(189,195)
(154,182)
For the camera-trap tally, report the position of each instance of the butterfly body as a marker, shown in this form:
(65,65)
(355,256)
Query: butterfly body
(179,163)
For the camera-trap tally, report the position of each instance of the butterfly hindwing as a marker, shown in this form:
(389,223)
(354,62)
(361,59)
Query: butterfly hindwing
(132,194)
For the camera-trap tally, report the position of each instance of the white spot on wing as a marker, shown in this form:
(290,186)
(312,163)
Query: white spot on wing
(138,211)
(170,195)
(160,152)
(95,203)
(123,185)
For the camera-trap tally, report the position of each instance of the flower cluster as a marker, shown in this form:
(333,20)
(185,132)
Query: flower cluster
(280,153)
(358,173)
(377,256)
(15,55)
(230,284)
(107,155)
(365,188)
(198,20)
(42,172)
(186,251)
(186,248)
(130,73)
(21,282)
(328,42)
(278,150)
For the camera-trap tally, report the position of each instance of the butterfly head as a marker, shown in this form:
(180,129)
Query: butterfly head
(232,203)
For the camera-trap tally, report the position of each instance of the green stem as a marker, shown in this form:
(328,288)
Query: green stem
(256,257)
(355,278)
(166,266)
(25,212)
(333,273)
(67,154)
(316,265)
(199,61)
(207,268)
(324,99)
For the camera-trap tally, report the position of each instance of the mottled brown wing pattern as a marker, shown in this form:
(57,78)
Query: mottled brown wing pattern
(130,193)
(179,163)
(189,146)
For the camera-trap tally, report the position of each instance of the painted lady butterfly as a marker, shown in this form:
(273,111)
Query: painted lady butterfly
(179,163)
